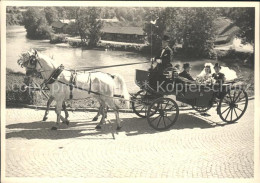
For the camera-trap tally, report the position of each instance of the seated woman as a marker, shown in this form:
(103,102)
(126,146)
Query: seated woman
(205,77)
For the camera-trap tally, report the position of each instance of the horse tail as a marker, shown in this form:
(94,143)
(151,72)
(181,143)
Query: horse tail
(120,90)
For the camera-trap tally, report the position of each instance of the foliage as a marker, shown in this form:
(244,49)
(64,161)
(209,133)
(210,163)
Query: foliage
(155,31)
(51,14)
(193,27)
(13,16)
(89,25)
(72,29)
(198,31)
(57,38)
(244,18)
(36,25)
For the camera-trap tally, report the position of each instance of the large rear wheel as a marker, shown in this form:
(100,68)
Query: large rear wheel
(233,105)
(165,113)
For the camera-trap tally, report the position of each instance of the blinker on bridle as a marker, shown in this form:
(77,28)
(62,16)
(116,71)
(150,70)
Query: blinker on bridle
(33,60)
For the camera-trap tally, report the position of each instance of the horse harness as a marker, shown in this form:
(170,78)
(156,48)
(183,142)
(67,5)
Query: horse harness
(72,81)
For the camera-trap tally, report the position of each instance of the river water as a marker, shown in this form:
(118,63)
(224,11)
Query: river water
(16,43)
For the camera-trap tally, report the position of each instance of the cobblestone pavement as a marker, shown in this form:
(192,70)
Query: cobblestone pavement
(195,147)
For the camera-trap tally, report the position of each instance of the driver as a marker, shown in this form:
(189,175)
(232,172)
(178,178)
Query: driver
(165,55)
(163,60)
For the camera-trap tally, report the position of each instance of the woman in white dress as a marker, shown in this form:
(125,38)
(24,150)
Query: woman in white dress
(205,77)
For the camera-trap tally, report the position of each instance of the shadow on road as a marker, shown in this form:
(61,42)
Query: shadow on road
(86,128)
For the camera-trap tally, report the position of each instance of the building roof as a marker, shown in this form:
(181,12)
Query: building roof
(123,30)
(57,24)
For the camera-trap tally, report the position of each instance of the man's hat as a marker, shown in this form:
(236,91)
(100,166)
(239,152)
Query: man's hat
(186,65)
(217,65)
(166,38)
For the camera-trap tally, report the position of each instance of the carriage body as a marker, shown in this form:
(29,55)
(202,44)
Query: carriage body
(200,97)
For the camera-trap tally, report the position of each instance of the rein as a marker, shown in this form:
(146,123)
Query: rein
(107,66)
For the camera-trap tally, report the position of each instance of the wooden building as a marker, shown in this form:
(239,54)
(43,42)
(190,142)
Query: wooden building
(123,34)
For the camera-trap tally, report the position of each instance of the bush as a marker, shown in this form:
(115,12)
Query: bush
(57,38)
(36,25)
(43,32)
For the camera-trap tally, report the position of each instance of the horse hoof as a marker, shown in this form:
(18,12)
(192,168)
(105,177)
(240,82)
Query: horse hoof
(54,128)
(44,118)
(98,127)
(67,122)
(118,128)
(95,119)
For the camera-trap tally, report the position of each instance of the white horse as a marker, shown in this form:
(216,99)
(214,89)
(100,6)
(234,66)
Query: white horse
(110,91)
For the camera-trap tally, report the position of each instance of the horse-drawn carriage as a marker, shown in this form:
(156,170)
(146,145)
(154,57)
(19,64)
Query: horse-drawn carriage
(162,112)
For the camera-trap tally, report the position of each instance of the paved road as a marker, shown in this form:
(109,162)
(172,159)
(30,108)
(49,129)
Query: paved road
(197,146)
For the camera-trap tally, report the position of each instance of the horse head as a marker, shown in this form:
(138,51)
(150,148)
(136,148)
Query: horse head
(29,60)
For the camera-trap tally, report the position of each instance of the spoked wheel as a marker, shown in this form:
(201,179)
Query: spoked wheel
(201,109)
(141,102)
(165,113)
(233,105)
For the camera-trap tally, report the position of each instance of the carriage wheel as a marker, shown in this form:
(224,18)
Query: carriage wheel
(201,109)
(141,102)
(165,113)
(233,105)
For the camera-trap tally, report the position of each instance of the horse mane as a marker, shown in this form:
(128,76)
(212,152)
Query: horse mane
(48,60)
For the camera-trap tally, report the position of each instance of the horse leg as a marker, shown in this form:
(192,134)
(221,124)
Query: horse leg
(66,112)
(58,112)
(103,113)
(98,114)
(118,123)
(48,108)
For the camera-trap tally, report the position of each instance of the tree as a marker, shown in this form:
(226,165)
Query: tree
(198,31)
(61,12)
(89,25)
(35,24)
(244,18)
(51,14)
(156,29)
(193,27)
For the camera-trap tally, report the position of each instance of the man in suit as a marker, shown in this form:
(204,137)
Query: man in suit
(218,76)
(186,72)
(165,55)
(163,60)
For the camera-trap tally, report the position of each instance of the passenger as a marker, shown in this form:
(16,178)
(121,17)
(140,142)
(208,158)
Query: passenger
(218,76)
(177,68)
(186,72)
(205,77)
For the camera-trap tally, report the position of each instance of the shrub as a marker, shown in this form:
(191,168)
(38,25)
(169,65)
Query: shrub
(36,25)
(57,38)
